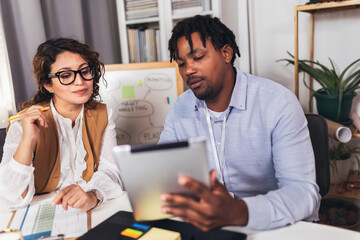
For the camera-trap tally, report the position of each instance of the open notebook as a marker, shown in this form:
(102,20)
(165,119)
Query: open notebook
(42,219)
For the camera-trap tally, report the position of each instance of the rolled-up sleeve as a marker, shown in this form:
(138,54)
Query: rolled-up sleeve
(14,177)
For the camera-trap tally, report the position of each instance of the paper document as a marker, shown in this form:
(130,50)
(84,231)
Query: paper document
(43,219)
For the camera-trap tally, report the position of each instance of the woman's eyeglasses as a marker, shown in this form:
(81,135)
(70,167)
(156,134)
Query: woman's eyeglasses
(68,77)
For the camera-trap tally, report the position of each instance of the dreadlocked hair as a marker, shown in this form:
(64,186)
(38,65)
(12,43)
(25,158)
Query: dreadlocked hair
(209,28)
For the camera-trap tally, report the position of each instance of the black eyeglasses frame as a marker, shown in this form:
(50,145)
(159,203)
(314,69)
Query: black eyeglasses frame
(51,75)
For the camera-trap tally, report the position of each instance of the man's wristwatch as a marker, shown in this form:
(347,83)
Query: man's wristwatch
(99,196)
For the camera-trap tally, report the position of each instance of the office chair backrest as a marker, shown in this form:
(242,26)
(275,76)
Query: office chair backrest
(320,141)
(2,141)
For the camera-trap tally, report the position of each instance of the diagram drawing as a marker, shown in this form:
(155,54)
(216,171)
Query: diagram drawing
(140,100)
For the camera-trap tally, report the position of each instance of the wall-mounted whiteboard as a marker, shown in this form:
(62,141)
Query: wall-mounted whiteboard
(140,95)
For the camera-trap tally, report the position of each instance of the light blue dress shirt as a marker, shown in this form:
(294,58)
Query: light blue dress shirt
(269,160)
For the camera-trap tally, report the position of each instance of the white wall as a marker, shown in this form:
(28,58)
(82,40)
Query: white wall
(235,16)
(337,36)
(271,26)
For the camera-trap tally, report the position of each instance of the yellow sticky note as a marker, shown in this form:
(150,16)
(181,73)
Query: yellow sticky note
(128,91)
(131,233)
(160,234)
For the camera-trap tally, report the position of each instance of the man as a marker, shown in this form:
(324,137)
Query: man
(257,137)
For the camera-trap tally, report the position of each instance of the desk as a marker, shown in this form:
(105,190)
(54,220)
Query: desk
(298,231)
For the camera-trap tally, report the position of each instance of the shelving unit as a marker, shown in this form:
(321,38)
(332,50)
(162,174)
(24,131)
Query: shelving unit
(312,9)
(164,22)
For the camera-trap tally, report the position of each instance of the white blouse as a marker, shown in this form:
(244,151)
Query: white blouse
(15,177)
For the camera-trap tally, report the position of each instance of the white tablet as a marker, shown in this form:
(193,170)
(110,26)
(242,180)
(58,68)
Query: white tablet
(149,170)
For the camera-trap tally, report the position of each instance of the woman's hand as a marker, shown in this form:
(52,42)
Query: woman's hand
(31,120)
(75,197)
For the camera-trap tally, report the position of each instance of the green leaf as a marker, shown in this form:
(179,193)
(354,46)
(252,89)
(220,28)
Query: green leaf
(339,105)
(331,83)
(347,68)
(351,81)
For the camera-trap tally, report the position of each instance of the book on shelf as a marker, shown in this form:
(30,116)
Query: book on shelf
(143,44)
(133,45)
(149,45)
(157,44)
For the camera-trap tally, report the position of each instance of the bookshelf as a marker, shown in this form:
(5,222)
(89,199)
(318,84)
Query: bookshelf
(145,25)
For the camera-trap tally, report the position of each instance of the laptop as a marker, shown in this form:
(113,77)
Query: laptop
(149,170)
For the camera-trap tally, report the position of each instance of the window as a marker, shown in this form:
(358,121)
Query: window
(7,103)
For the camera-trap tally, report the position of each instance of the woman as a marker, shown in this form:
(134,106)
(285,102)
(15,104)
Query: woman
(67,147)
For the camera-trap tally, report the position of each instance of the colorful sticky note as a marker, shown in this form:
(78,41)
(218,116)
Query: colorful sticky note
(128,91)
(140,226)
(129,232)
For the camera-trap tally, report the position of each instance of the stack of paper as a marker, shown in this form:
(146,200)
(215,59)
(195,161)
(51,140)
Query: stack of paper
(136,9)
(183,7)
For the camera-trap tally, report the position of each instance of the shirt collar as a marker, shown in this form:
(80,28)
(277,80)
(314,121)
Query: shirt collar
(238,100)
(238,97)
(61,118)
(199,104)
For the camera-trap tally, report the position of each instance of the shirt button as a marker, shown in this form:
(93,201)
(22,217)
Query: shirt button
(218,143)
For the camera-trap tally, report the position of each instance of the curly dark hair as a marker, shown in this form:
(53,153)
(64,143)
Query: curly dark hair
(209,28)
(46,55)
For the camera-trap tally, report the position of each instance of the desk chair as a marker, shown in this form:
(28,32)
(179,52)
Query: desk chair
(319,138)
(2,141)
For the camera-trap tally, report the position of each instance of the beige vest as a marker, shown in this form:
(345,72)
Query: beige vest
(46,151)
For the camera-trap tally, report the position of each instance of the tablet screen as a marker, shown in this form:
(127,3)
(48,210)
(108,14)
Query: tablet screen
(149,170)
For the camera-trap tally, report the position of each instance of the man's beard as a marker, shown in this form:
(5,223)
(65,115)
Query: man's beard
(206,94)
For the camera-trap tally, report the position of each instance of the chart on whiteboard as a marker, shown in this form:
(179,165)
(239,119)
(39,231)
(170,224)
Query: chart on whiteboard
(140,100)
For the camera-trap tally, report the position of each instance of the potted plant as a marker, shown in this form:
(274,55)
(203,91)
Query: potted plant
(336,92)
(340,161)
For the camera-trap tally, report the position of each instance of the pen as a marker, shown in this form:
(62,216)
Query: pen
(17,116)
(58,237)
